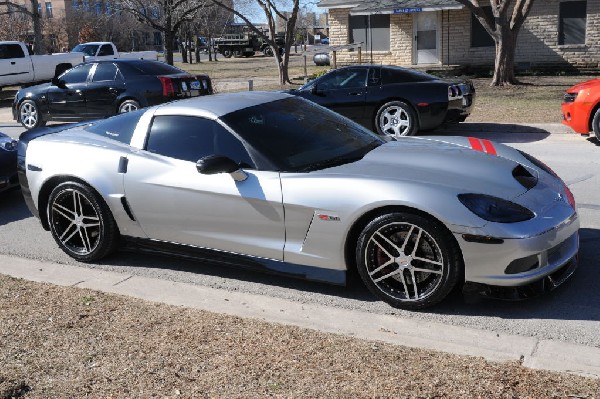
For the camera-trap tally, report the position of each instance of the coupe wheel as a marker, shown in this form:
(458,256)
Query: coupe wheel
(596,124)
(81,223)
(128,106)
(396,119)
(407,260)
(29,115)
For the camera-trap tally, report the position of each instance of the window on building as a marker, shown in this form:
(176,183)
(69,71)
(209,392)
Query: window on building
(572,21)
(158,39)
(479,36)
(75,5)
(48,9)
(108,8)
(155,14)
(372,30)
(40,8)
(86,5)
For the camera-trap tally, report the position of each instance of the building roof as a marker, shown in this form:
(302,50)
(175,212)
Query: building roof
(359,7)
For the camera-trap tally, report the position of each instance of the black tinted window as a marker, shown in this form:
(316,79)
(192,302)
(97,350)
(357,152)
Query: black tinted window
(118,127)
(190,138)
(78,74)
(8,51)
(104,72)
(573,18)
(344,79)
(106,49)
(296,134)
(400,75)
(479,36)
(154,68)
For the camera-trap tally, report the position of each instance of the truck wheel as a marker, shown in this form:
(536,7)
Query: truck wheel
(227,53)
(237,53)
(29,115)
(268,51)
(128,106)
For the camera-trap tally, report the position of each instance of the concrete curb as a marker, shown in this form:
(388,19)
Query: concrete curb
(534,353)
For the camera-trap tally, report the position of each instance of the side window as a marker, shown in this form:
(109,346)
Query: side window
(190,138)
(78,74)
(106,49)
(572,21)
(8,51)
(104,72)
(344,79)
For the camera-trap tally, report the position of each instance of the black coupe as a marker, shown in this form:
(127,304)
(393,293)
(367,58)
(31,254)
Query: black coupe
(8,163)
(390,100)
(103,88)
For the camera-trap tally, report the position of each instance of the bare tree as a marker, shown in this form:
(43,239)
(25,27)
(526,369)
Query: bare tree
(211,22)
(14,26)
(165,16)
(272,12)
(39,47)
(504,28)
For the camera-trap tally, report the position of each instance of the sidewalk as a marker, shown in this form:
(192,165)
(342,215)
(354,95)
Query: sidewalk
(534,353)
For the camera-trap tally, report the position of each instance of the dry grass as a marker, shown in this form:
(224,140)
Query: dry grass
(59,342)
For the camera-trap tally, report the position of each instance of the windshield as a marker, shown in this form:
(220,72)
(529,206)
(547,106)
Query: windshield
(297,135)
(87,49)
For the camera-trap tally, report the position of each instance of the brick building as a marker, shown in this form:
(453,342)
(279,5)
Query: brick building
(557,34)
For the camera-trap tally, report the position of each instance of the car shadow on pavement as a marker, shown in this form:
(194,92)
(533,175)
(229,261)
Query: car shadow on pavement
(577,299)
(12,207)
(500,132)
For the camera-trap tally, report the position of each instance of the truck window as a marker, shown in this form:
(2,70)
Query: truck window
(106,49)
(13,50)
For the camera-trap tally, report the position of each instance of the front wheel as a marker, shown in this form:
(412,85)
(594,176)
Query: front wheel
(596,124)
(396,119)
(409,261)
(29,115)
(128,106)
(81,223)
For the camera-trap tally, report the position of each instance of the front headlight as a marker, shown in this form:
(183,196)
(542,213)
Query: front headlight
(8,143)
(495,209)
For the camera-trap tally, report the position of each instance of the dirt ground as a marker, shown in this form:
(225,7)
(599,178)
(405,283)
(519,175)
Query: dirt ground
(58,342)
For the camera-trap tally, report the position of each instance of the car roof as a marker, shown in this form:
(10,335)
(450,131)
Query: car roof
(220,104)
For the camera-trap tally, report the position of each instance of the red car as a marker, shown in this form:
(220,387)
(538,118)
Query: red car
(581,107)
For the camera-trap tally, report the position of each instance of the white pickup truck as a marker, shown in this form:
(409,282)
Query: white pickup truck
(19,67)
(96,51)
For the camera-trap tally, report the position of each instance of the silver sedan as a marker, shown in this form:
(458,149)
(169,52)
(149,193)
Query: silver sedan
(274,182)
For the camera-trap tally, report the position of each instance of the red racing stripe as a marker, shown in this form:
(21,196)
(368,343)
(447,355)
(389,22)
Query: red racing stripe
(489,147)
(475,144)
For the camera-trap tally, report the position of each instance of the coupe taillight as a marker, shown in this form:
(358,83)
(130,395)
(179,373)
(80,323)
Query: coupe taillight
(168,87)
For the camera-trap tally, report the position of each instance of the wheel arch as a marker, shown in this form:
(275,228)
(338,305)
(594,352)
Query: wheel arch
(121,100)
(360,223)
(51,184)
(591,118)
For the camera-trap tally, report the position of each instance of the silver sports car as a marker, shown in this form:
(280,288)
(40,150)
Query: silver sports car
(272,181)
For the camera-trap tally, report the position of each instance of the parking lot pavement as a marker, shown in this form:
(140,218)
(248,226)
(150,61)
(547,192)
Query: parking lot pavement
(6,115)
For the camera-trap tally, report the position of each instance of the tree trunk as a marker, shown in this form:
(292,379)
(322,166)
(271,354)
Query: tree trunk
(169,47)
(39,47)
(504,73)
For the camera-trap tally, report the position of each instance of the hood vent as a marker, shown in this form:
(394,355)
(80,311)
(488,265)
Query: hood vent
(524,177)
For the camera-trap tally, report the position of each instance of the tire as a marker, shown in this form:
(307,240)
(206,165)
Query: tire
(29,115)
(596,123)
(128,106)
(393,253)
(396,119)
(268,51)
(237,53)
(81,223)
(227,53)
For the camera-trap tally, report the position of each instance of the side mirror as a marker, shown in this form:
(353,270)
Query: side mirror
(214,164)
(315,90)
(59,83)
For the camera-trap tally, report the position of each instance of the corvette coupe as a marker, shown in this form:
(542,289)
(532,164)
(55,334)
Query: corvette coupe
(276,182)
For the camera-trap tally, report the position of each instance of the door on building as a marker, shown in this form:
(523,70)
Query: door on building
(426,37)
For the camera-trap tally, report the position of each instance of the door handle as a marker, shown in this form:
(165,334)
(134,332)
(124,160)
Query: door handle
(112,90)
(356,93)
(12,63)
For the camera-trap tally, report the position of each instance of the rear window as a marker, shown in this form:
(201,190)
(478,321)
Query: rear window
(152,68)
(401,75)
(119,128)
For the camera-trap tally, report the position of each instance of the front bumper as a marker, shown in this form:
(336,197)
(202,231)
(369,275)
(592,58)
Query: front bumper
(576,117)
(518,262)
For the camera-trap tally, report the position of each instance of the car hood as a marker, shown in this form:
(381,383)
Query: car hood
(461,163)
(584,85)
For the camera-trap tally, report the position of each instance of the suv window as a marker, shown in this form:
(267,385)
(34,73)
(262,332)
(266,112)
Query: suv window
(118,127)
(190,138)
(78,74)
(105,72)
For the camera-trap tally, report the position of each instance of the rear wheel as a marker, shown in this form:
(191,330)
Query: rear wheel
(396,119)
(29,115)
(81,223)
(128,106)
(596,124)
(408,260)
(227,53)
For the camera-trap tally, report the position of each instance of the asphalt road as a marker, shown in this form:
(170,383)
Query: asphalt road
(572,313)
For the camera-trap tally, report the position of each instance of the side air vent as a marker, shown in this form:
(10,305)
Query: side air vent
(524,177)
